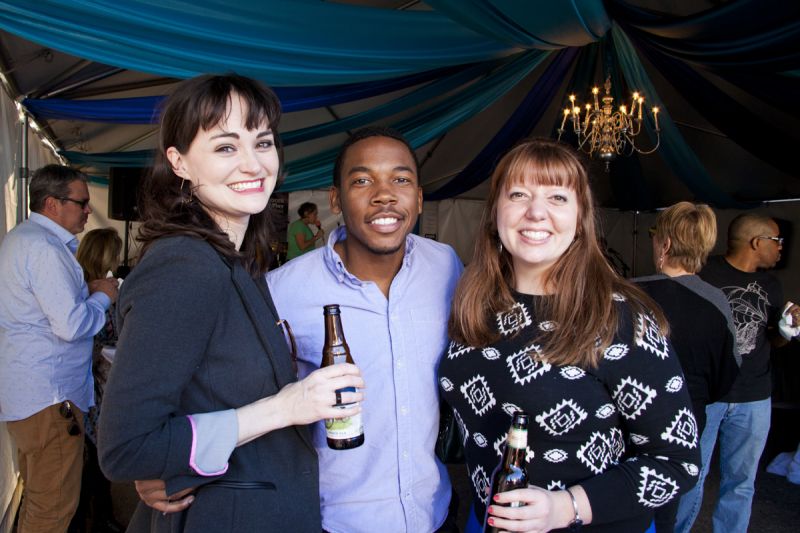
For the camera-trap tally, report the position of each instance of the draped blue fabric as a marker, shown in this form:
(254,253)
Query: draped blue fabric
(530,24)
(144,110)
(302,42)
(740,123)
(680,158)
(420,128)
(762,34)
(370,116)
(517,127)
(457,60)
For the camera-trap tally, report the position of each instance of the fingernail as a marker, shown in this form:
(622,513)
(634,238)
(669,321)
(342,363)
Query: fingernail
(490,510)
(496,497)
(490,521)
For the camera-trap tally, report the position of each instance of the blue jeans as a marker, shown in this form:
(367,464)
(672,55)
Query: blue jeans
(742,430)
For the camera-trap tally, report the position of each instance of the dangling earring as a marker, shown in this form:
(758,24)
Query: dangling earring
(500,247)
(187,200)
(660,263)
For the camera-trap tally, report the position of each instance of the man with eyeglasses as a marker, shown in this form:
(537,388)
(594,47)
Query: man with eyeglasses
(48,318)
(742,419)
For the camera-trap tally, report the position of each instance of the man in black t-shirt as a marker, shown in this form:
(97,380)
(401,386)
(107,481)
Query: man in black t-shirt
(742,417)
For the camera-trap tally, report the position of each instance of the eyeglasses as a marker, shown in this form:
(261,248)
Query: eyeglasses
(779,240)
(66,411)
(287,333)
(82,203)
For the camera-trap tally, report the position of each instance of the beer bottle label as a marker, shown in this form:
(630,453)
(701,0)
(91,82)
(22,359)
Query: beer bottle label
(517,438)
(344,428)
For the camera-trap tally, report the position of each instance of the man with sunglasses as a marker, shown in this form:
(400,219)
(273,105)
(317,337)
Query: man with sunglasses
(48,318)
(742,418)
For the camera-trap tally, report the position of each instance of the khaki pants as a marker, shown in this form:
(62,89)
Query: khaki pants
(50,461)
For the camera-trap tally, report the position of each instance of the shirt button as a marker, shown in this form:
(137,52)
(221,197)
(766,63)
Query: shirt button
(403,411)
(405,455)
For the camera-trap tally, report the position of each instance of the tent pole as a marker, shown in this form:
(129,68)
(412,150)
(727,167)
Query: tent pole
(635,236)
(22,171)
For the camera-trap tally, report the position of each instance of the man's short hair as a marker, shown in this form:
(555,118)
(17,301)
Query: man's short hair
(52,180)
(746,227)
(366,133)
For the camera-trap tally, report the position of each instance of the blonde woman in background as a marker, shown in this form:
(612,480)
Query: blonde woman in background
(701,324)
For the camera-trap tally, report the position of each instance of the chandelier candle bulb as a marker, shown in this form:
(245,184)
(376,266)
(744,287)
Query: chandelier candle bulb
(607,131)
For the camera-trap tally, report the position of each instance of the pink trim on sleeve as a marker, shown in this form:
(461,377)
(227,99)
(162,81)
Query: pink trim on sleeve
(192,462)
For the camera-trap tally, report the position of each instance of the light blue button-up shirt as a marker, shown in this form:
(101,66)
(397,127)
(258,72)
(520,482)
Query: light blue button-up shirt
(393,482)
(47,321)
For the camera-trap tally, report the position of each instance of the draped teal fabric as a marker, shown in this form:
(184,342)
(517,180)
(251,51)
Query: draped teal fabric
(676,153)
(530,24)
(302,42)
(420,128)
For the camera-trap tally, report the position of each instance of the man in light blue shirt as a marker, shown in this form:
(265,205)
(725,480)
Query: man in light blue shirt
(394,290)
(48,317)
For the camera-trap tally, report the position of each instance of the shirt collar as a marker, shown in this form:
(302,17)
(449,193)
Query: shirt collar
(336,265)
(68,239)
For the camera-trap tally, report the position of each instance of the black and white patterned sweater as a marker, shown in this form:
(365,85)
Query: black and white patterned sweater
(624,431)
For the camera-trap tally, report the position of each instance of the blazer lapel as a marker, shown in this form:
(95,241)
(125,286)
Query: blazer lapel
(261,311)
(265,320)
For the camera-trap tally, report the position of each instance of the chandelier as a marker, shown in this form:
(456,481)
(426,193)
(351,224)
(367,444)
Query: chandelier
(605,133)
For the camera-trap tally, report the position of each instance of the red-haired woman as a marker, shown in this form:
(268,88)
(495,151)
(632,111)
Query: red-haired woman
(541,323)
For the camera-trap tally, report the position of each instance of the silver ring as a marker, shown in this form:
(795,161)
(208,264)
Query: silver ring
(338,397)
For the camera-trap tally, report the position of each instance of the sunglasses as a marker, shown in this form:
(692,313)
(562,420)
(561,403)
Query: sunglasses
(82,203)
(779,240)
(66,411)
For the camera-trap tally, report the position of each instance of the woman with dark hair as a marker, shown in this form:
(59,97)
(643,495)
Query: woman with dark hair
(541,323)
(202,393)
(683,237)
(299,235)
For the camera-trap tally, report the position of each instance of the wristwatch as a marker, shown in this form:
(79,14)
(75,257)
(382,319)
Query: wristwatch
(576,524)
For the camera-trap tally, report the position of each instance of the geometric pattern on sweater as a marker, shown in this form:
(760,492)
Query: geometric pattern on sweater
(599,427)
(513,320)
(674,384)
(682,430)
(649,336)
(524,367)
(655,489)
(562,418)
(633,397)
(478,394)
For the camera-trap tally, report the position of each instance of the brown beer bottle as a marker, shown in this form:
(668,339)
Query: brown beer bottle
(343,433)
(510,474)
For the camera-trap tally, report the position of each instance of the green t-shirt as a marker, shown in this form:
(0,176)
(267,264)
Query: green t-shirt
(295,228)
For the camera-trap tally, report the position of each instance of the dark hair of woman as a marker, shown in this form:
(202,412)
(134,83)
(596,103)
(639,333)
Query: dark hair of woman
(581,283)
(167,204)
(306,208)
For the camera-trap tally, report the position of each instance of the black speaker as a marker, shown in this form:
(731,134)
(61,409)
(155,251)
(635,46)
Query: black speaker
(123,191)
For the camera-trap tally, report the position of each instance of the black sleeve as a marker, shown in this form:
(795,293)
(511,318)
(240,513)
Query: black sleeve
(662,456)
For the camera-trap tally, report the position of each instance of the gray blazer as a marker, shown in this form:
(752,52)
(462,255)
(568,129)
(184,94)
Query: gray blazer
(198,334)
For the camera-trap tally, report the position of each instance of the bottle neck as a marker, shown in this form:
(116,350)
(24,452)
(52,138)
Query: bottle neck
(334,336)
(516,446)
